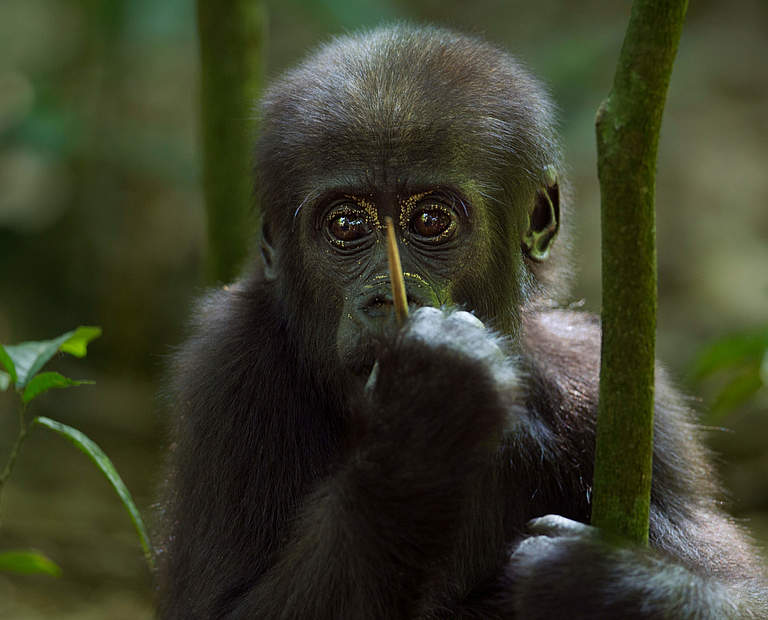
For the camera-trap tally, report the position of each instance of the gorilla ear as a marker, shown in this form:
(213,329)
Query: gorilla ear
(543,223)
(268,254)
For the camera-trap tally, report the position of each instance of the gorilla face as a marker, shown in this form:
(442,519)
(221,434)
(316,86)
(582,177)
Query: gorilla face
(445,237)
(456,148)
(460,245)
(445,234)
(434,230)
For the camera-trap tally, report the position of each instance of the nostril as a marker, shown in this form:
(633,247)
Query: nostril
(379,301)
(378,305)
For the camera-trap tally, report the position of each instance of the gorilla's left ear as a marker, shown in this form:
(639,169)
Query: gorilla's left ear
(268,254)
(543,222)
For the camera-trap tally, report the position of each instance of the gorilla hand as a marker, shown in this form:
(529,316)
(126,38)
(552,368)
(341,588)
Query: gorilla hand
(444,388)
(565,564)
(436,410)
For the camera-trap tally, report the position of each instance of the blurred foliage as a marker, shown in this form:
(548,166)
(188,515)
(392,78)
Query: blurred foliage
(102,221)
(28,563)
(232,42)
(740,361)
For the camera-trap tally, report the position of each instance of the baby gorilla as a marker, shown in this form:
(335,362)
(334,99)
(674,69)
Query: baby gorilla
(327,464)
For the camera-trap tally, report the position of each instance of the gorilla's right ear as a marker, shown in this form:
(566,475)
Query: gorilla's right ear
(268,254)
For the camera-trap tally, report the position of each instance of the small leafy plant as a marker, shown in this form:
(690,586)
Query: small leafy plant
(23,364)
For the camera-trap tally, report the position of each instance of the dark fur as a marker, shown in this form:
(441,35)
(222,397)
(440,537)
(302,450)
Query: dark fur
(296,493)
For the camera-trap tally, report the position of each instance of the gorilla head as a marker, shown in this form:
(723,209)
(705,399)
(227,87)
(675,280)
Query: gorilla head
(445,134)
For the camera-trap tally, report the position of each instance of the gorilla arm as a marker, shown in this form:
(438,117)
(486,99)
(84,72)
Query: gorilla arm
(366,538)
(701,564)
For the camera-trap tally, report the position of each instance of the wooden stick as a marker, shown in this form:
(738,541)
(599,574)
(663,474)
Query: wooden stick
(396,274)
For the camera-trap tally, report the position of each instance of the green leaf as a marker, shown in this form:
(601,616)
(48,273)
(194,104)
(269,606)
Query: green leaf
(5,381)
(735,393)
(30,357)
(7,362)
(731,351)
(26,359)
(27,563)
(77,344)
(45,381)
(101,460)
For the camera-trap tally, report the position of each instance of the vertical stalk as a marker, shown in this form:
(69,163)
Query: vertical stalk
(232,39)
(628,124)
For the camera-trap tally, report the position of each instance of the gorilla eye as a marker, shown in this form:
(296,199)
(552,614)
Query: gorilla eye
(347,227)
(433,223)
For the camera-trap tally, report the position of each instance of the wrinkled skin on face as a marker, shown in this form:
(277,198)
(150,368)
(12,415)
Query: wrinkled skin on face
(439,249)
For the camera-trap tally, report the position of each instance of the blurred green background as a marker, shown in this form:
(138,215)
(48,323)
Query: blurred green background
(101,222)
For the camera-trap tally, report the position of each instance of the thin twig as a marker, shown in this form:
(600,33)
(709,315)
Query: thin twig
(396,274)
(23,432)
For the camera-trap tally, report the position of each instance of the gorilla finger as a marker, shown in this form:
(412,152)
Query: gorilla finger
(555,525)
(469,318)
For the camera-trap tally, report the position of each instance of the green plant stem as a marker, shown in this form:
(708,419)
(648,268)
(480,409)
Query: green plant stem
(232,37)
(628,124)
(20,438)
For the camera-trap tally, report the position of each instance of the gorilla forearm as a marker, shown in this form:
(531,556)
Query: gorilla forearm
(333,566)
(365,540)
(598,580)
